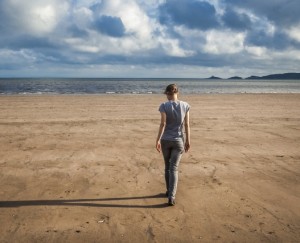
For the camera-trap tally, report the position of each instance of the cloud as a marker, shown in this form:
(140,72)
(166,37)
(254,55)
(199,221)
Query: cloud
(236,20)
(280,12)
(260,38)
(257,52)
(30,43)
(219,42)
(112,26)
(13,57)
(195,34)
(134,18)
(75,31)
(193,14)
(32,16)
(294,32)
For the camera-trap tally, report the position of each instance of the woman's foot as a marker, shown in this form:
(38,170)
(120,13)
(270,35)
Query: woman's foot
(171,202)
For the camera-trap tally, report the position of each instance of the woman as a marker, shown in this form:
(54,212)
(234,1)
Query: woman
(170,139)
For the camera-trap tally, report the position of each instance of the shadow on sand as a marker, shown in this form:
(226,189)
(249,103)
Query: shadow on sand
(86,202)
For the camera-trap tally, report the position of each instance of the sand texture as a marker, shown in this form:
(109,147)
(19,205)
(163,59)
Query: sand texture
(85,169)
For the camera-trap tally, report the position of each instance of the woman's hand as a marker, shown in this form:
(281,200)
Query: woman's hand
(158,146)
(187,146)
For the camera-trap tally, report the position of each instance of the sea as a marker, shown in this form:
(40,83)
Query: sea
(40,86)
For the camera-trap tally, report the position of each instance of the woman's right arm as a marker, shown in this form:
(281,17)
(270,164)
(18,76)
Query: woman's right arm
(163,119)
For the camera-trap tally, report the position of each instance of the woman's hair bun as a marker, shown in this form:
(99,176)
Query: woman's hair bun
(171,89)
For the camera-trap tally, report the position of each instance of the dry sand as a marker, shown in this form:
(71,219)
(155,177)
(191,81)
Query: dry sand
(85,169)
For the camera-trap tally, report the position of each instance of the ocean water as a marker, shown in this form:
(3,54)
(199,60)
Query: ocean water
(27,86)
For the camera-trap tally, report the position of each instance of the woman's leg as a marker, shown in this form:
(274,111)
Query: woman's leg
(176,153)
(166,150)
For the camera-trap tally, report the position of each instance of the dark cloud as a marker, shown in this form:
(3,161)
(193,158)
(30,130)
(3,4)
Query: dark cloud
(109,25)
(278,40)
(105,24)
(75,31)
(236,21)
(280,12)
(7,23)
(97,7)
(28,42)
(192,14)
(277,12)
(159,58)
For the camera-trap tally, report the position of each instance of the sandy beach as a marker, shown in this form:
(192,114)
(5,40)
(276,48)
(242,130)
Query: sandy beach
(85,169)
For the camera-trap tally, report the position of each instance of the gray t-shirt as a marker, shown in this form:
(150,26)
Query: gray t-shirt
(175,111)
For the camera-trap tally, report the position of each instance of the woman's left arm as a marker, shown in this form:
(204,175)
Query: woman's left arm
(187,144)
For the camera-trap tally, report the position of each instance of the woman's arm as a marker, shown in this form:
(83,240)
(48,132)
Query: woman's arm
(163,119)
(187,144)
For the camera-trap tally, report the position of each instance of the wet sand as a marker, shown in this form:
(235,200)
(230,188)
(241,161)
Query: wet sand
(85,169)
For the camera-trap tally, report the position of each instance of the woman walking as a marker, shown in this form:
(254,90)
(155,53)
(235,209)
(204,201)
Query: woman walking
(170,139)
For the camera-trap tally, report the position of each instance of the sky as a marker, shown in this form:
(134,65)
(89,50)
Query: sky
(149,38)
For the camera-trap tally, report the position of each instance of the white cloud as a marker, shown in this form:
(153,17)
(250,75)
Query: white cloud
(135,20)
(172,48)
(36,17)
(294,32)
(43,18)
(224,42)
(139,37)
(257,52)
(82,17)
(138,26)
(79,45)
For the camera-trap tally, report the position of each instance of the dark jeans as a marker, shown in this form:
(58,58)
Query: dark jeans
(172,152)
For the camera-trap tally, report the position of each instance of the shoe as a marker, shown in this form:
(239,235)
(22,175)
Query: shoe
(171,202)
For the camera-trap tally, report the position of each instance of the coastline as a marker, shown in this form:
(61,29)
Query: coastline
(84,168)
(145,86)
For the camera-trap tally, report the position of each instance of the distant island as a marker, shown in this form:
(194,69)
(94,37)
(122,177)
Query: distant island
(271,76)
(213,77)
(278,76)
(235,77)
